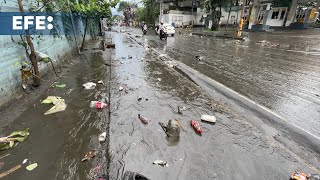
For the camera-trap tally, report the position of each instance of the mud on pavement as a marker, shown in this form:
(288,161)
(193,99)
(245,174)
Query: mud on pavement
(232,148)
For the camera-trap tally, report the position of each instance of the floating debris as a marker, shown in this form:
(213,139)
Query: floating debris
(32,166)
(161,163)
(196,126)
(143,119)
(102,137)
(89,155)
(208,118)
(181,109)
(89,85)
(58,102)
(13,139)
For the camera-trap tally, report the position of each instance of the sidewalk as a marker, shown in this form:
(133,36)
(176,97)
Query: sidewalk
(221,33)
(231,149)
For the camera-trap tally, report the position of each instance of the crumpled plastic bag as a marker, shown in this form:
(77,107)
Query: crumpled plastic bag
(17,136)
(58,102)
(89,85)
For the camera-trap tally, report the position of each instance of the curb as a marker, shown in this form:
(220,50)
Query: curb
(218,36)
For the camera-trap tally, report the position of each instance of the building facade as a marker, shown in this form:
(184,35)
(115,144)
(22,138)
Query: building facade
(258,14)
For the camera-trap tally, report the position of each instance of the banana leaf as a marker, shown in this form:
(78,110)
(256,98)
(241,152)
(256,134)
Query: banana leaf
(9,141)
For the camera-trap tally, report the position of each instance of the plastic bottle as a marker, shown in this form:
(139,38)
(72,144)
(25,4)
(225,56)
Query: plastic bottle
(196,126)
(98,104)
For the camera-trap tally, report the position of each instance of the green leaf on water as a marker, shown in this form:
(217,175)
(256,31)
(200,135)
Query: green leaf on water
(16,64)
(60,85)
(32,166)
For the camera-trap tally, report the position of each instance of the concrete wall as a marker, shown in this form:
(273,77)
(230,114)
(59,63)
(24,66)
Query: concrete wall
(234,15)
(177,18)
(276,21)
(12,55)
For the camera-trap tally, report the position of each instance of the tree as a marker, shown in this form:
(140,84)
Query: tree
(281,3)
(128,9)
(26,39)
(141,14)
(92,11)
(123,5)
(151,11)
(212,6)
(32,55)
(230,6)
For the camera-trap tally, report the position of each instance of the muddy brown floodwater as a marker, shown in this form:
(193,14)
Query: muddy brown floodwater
(58,142)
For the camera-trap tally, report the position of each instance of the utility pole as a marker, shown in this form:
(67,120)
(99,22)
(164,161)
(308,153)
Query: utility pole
(231,2)
(192,7)
(238,32)
(161,11)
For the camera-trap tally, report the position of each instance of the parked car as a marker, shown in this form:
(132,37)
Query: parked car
(169,29)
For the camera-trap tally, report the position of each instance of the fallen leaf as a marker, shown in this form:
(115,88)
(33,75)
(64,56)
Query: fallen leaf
(89,155)
(47,101)
(60,85)
(58,102)
(32,166)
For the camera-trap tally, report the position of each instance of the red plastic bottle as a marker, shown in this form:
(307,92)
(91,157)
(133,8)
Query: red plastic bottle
(196,126)
(101,105)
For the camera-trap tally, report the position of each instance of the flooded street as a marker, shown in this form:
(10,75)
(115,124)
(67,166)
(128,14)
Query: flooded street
(282,72)
(58,141)
(228,149)
(141,81)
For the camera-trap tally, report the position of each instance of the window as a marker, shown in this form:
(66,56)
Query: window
(275,14)
(283,12)
(233,19)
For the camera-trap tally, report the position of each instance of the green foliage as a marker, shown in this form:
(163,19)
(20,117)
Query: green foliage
(282,3)
(123,5)
(141,14)
(94,9)
(149,12)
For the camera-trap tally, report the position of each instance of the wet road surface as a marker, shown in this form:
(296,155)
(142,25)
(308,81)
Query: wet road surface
(282,73)
(58,142)
(230,149)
